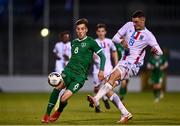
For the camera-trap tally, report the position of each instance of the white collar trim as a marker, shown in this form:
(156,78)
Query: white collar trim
(81,39)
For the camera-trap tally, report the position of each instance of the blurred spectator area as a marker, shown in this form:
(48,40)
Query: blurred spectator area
(163,19)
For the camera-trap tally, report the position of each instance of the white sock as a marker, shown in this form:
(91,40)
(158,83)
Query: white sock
(105,98)
(102,91)
(117,102)
(97,103)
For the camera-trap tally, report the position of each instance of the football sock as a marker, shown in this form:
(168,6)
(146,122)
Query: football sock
(52,100)
(102,91)
(57,104)
(97,103)
(156,93)
(104,98)
(123,91)
(117,102)
(62,105)
(58,101)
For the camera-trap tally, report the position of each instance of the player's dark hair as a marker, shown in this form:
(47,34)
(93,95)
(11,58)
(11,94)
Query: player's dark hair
(101,26)
(138,14)
(64,33)
(82,21)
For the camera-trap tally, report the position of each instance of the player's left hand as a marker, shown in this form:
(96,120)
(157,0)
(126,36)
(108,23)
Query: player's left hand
(101,75)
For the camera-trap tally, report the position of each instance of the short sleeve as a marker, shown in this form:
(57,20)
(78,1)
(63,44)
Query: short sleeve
(122,31)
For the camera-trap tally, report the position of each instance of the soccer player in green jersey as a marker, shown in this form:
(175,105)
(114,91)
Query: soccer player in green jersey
(157,64)
(76,71)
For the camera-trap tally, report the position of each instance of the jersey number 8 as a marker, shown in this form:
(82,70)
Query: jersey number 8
(76,50)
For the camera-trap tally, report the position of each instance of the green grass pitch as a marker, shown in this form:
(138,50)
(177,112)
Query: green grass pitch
(28,108)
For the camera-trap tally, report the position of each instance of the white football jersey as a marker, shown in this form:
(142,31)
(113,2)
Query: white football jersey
(107,45)
(137,42)
(61,49)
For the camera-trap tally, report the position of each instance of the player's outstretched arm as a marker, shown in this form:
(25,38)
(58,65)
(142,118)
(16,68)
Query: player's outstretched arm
(156,50)
(102,64)
(102,60)
(98,50)
(155,46)
(121,33)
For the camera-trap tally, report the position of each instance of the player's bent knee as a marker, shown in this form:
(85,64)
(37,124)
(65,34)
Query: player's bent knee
(110,93)
(114,76)
(157,86)
(67,94)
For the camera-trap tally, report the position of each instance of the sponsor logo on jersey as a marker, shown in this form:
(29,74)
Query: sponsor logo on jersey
(141,37)
(83,44)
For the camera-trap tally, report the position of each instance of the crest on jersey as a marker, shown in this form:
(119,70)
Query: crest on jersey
(141,37)
(83,44)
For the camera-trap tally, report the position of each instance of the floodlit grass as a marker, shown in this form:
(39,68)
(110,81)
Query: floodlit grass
(28,109)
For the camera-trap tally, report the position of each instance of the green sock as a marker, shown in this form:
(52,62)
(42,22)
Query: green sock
(123,91)
(62,105)
(156,93)
(52,100)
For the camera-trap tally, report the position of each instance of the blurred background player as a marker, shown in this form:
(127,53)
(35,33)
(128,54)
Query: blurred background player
(62,51)
(157,65)
(109,49)
(124,83)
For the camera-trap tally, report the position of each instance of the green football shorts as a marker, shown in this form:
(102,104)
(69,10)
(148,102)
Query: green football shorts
(72,81)
(156,79)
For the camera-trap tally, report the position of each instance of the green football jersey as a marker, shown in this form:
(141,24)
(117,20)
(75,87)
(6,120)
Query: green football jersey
(157,63)
(82,55)
(119,50)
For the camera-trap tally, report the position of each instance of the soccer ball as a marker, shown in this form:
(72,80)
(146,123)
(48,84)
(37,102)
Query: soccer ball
(54,79)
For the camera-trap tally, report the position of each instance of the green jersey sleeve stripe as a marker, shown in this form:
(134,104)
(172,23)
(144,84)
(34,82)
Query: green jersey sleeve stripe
(99,51)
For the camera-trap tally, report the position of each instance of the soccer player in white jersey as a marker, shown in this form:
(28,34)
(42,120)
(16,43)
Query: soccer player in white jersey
(109,50)
(62,51)
(134,37)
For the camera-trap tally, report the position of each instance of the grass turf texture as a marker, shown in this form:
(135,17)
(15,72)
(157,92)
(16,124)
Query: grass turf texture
(28,108)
